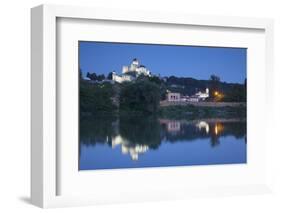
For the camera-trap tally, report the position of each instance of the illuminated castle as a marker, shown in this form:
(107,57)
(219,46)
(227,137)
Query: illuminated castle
(131,72)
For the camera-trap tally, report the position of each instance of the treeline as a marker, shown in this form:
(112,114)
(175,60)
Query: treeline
(95,77)
(140,96)
(95,98)
(145,93)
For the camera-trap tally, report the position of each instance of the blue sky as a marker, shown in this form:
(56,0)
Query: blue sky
(181,61)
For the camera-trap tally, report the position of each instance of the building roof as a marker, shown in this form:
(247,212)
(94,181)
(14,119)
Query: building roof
(173,93)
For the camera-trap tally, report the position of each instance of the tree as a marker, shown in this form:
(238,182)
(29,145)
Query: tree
(237,93)
(215,93)
(215,78)
(109,76)
(141,96)
(155,79)
(96,98)
(100,77)
(92,76)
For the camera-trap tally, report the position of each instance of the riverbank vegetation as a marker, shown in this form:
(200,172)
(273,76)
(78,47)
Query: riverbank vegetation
(96,98)
(195,112)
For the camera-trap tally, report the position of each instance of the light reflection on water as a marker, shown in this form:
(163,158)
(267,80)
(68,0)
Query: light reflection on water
(132,142)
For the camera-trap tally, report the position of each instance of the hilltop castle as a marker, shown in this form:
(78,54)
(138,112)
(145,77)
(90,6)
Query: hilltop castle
(131,72)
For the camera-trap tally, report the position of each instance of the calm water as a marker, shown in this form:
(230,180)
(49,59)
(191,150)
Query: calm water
(133,142)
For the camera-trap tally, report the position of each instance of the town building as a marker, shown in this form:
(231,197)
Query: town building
(203,95)
(173,96)
(177,97)
(199,96)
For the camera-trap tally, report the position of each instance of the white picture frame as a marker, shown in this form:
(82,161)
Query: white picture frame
(44,149)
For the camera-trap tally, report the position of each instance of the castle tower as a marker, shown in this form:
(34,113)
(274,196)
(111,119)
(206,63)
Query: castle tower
(136,62)
(134,65)
(125,69)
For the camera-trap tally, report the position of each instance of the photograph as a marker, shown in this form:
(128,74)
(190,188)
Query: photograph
(161,105)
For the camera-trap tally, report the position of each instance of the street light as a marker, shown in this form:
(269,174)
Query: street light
(218,96)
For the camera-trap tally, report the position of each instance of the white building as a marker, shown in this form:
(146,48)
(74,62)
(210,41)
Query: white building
(199,96)
(177,97)
(131,72)
(173,96)
(203,95)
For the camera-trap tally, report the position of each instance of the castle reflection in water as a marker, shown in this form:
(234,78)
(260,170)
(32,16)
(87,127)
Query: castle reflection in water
(126,147)
(135,136)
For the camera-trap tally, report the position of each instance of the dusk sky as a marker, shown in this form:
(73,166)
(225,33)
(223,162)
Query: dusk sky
(181,61)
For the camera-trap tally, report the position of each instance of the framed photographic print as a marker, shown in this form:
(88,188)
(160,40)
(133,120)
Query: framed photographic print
(163,113)
(148,106)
